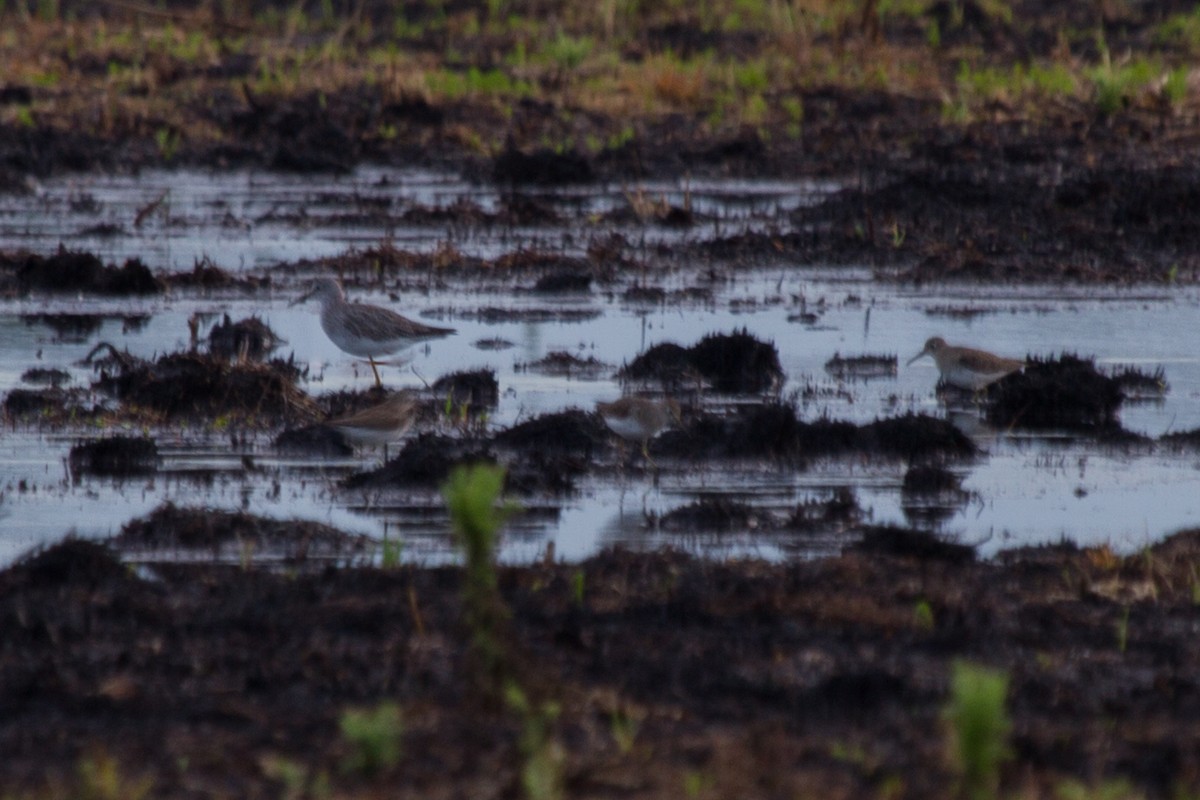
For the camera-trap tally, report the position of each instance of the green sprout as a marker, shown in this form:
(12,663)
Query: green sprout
(374,736)
(979,727)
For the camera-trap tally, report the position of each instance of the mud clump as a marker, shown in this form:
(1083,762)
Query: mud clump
(1136,384)
(545,456)
(230,535)
(195,385)
(541,167)
(474,390)
(572,432)
(115,456)
(46,376)
(916,436)
(207,275)
(1066,393)
(734,363)
(319,441)
(304,134)
(773,430)
(67,327)
(563,281)
(930,494)
(71,564)
(711,514)
(68,271)
(907,543)
(248,338)
(30,402)
(567,365)
(425,462)
(839,512)
(862,368)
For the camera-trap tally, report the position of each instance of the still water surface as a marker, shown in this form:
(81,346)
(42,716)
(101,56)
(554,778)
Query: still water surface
(1026,489)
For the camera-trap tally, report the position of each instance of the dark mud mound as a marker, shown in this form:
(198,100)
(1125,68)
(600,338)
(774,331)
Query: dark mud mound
(234,536)
(249,338)
(564,281)
(916,436)
(208,276)
(21,403)
(734,363)
(67,327)
(907,543)
(541,167)
(861,368)
(572,432)
(931,494)
(567,365)
(425,463)
(46,376)
(318,441)
(1137,384)
(68,271)
(73,563)
(839,512)
(712,514)
(115,456)
(1182,440)
(473,390)
(551,451)
(1066,393)
(308,133)
(773,431)
(195,385)
(543,472)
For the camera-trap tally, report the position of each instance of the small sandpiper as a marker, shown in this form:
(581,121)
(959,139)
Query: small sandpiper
(364,330)
(639,419)
(966,367)
(380,424)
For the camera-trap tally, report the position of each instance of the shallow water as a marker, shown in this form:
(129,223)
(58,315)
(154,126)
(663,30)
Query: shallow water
(1026,489)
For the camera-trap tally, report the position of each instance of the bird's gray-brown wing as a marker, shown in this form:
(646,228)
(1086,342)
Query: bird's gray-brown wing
(379,416)
(988,363)
(382,324)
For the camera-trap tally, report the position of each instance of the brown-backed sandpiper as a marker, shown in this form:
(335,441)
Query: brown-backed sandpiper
(966,367)
(639,419)
(380,424)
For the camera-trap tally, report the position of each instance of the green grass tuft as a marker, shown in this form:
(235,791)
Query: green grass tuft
(979,727)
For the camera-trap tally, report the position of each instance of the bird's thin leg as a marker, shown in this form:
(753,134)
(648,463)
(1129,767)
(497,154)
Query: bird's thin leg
(378,383)
(646,453)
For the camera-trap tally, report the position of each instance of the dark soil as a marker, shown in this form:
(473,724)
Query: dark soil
(773,430)
(862,368)
(1066,393)
(67,271)
(475,390)
(118,456)
(46,376)
(560,362)
(245,339)
(192,385)
(735,363)
(824,678)
(672,676)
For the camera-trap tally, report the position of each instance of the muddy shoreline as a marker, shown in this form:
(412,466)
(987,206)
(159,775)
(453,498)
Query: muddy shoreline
(752,679)
(173,661)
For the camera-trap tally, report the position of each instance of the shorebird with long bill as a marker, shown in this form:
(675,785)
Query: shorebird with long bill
(365,330)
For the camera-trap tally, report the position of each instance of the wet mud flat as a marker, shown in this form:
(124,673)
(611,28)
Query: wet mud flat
(670,676)
(210,654)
